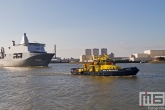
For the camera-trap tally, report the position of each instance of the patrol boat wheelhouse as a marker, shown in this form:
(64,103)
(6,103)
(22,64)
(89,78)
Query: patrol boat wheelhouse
(25,54)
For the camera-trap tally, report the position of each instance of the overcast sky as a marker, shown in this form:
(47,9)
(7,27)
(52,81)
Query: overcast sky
(124,27)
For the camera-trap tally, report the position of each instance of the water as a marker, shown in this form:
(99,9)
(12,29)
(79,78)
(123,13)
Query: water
(54,88)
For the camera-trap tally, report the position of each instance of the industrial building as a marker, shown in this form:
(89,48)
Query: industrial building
(87,51)
(147,55)
(111,55)
(103,51)
(140,57)
(159,58)
(153,53)
(95,51)
(86,58)
(89,58)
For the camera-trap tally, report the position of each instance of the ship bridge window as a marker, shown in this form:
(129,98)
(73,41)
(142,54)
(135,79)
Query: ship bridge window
(17,55)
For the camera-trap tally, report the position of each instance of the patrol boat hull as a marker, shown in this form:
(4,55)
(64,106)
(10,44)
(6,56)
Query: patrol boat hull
(130,71)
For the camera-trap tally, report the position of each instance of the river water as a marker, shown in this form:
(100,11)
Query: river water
(54,88)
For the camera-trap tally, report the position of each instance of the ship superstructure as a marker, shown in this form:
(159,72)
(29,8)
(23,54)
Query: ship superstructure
(25,54)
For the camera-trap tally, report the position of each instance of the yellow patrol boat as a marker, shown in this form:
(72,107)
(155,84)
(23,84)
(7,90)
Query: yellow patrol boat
(103,66)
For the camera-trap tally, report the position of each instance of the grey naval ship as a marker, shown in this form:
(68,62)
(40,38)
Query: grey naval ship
(24,54)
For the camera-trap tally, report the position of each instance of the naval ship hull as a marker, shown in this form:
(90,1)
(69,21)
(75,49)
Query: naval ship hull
(35,60)
(130,71)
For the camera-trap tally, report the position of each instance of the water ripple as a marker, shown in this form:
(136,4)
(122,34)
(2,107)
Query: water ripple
(54,87)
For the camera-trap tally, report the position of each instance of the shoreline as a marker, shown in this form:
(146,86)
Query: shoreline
(115,62)
(157,62)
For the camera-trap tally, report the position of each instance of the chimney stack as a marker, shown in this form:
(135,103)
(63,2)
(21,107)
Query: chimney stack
(55,51)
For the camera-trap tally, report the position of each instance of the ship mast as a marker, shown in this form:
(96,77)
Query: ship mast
(24,40)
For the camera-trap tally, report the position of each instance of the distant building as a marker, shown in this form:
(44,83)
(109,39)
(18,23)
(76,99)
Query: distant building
(87,51)
(86,58)
(140,57)
(74,60)
(147,55)
(120,58)
(57,59)
(82,58)
(153,53)
(95,51)
(103,51)
(159,58)
(111,55)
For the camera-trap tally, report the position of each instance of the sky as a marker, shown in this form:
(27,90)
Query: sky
(124,27)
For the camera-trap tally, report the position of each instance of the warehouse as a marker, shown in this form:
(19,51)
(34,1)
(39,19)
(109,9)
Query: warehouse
(147,55)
